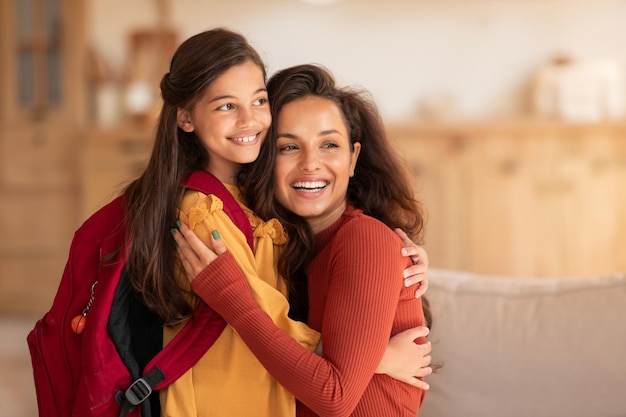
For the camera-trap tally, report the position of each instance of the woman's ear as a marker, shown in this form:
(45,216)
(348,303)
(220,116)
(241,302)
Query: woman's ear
(354,156)
(183,120)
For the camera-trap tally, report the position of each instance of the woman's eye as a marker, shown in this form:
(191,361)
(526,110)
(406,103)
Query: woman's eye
(287,148)
(227,106)
(260,101)
(330,145)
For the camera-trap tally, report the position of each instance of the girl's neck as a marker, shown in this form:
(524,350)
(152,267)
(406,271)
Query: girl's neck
(226,174)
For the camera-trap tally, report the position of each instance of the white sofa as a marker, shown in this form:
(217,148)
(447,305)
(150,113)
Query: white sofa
(514,347)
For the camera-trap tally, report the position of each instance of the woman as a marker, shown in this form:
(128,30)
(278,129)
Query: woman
(339,190)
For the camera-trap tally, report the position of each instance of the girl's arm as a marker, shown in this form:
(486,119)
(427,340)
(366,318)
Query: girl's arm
(418,272)
(406,360)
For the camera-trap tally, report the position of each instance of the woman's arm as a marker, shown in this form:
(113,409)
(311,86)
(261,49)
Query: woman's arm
(351,363)
(204,213)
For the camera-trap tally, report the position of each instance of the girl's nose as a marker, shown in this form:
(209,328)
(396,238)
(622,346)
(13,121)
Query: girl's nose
(245,117)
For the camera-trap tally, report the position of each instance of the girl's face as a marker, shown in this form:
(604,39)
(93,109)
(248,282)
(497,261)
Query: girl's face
(314,161)
(231,119)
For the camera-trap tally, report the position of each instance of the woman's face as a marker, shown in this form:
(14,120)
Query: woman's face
(231,119)
(314,161)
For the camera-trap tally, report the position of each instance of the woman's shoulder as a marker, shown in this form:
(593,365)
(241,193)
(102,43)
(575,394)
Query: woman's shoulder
(364,228)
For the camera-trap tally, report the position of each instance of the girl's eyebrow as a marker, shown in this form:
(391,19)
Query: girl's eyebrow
(229,97)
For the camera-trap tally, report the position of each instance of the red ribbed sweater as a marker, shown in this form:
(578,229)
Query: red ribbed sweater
(357,300)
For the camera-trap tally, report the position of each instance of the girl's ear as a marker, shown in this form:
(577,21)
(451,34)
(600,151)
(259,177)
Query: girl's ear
(183,120)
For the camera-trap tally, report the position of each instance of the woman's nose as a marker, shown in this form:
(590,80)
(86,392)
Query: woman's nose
(309,161)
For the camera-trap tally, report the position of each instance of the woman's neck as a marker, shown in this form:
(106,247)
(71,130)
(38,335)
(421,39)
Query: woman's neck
(321,223)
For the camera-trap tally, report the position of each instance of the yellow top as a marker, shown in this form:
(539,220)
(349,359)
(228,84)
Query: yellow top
(228,380)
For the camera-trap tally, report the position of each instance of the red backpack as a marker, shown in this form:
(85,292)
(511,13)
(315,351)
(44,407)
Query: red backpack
(94,373)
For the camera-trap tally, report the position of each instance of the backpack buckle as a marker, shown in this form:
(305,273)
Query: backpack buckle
(138,392)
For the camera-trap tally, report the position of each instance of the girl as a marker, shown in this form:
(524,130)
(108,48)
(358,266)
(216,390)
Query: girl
(339,190)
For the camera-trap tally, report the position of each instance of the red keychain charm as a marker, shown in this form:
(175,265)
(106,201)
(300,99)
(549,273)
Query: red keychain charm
(78,323)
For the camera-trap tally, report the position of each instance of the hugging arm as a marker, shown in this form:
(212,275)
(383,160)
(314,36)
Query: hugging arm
(350,365)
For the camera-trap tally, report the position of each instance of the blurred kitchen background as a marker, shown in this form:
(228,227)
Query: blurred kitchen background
(510,114)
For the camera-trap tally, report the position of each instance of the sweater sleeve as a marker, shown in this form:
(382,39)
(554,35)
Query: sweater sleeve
(363,295)
(204,213)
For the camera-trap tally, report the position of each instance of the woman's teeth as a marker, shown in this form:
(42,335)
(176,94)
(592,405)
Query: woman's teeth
(309,185)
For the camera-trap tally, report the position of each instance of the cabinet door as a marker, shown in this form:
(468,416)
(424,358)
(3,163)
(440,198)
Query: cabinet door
(438,161)
(590,203)
(501,205)
(42,61)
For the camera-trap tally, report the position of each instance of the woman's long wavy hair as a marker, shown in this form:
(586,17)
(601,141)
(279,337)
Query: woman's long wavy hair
(151,201)
(381,185)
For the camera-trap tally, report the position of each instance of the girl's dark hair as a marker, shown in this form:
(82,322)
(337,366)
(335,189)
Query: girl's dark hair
(381,185)
(151,201)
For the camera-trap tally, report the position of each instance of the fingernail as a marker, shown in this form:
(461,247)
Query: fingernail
(173,232)
(178,223)
(215,234)
(403,252)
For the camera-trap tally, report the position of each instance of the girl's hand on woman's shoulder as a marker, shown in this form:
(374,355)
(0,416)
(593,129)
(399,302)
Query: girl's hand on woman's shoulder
(418,272)
(194,255)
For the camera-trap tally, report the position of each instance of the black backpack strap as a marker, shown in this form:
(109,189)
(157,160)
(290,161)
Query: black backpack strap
(139,391)
(202,329)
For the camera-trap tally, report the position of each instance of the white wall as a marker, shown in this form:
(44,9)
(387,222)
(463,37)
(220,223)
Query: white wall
(479,52)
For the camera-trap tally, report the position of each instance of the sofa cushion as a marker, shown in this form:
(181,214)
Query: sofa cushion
(527,347)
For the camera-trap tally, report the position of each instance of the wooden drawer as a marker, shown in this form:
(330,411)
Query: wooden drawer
(38,158)
(29,281)
(41,221)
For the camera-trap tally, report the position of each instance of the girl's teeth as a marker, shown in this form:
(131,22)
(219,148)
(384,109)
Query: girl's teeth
(245,139)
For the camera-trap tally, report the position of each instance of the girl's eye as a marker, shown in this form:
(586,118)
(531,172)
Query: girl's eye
(227,106)
(261,101)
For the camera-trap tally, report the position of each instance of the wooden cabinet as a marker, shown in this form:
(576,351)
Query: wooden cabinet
(109,160)
(38,196)
(42,107)
(525,200)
